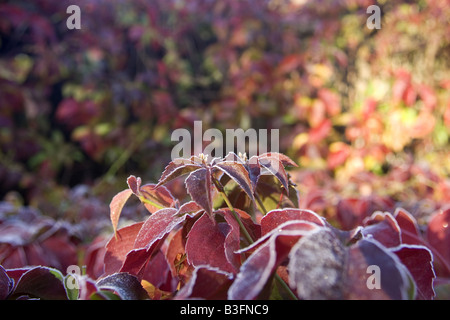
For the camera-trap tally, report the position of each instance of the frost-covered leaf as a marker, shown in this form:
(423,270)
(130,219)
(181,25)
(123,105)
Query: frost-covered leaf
(157,226)
(206,283)
(6,284)
(409,228)
(200,188)
(419,261)
(116,206)
(125,285)
(254,171)
(118,247)
(210,237)
(267,254)
(178,168)
(156,197)
(276,217)
(275,167)
(38,282)
(383,227)
(238,173)
(317,266)
(284,159)
(151,236)
(438,236)
(134,184)
(370,264)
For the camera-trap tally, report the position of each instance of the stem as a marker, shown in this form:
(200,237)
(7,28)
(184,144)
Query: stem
(235,215)
(247,235)
(145,200)
(260,204)
(285,287)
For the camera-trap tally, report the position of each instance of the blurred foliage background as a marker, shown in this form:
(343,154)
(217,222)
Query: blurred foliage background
(365,113)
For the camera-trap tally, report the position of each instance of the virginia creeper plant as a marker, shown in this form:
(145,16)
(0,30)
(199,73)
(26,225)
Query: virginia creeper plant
(239,234)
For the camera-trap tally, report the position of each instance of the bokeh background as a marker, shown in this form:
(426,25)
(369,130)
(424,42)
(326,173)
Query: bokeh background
(365,113)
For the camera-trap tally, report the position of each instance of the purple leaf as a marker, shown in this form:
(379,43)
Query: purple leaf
(238,173)
(393,278)
(285,160)
(125,285)
(6,284)
(41,282)
(254,171)
(275,167)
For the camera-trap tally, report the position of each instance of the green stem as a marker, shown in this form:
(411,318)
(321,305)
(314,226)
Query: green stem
(145,200)
(247,235)
(285,287)
(235,215)
(260,204)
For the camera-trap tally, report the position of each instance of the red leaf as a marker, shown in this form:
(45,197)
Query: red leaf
(352,211)
(134,184)
(238,173)
(206,283)
(383,228)
(277,217)
(118,247)
(116,206)
(289,63)
(200,188)
(428,96)
(438,236)
(331,101)
(177,168)
(210,237)
(419,261)
(160,196)
(268,252)
(151,235)
(408,226)
(156,227)
(158,273)
(135,262)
